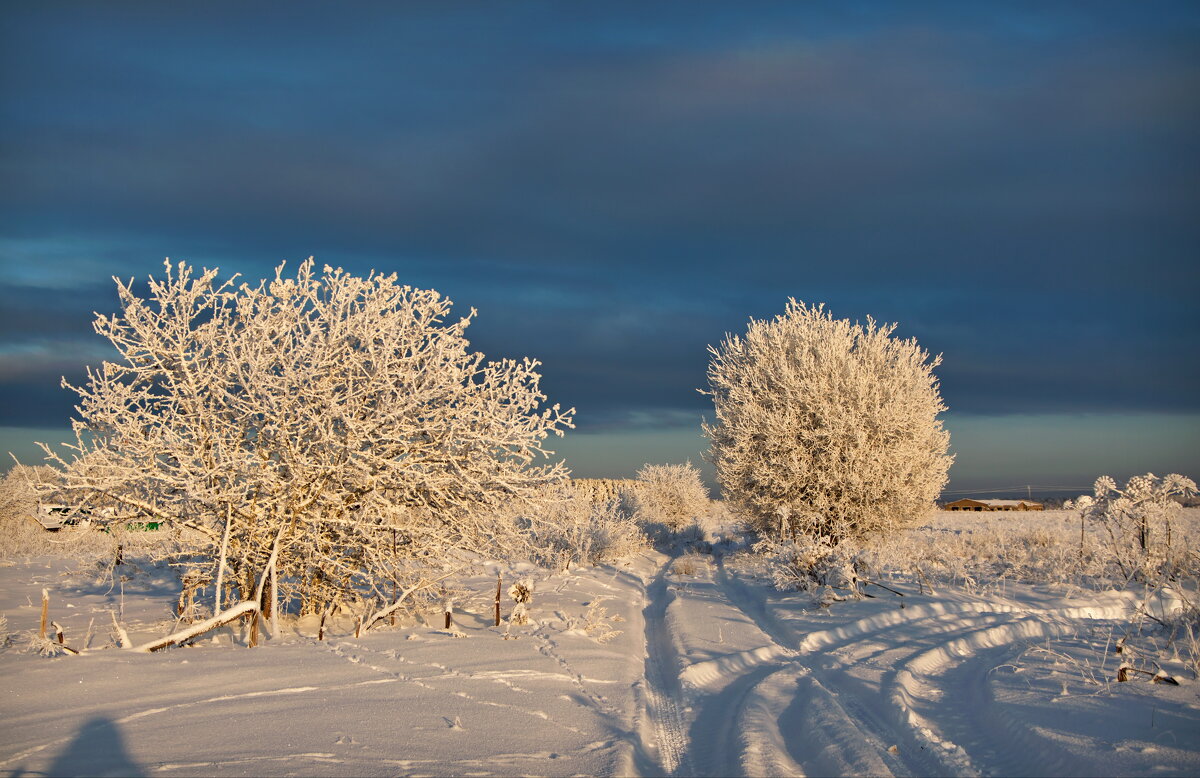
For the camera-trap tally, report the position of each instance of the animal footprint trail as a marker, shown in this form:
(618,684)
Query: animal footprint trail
(444,673)
(548,648)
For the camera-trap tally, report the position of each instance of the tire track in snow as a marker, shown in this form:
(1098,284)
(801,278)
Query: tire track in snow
(917,688)
(922,645)
(845,725)
(663,695)
(834,738)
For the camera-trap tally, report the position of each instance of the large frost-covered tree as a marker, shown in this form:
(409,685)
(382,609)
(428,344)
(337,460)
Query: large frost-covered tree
(824,427)
(324,434)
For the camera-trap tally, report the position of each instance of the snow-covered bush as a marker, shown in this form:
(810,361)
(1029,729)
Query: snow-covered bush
(671,495)
(571,529)
(818,565)
(826,428)
(22,535)
(522,595)
(602,490)
(328,435)
(20,532)
(597,622)
(1138,521)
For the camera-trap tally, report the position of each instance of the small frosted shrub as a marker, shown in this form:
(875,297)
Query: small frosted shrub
(573,530)
(817,565)
(598,622)
(671,495)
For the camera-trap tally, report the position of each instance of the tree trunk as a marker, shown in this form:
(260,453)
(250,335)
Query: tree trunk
(221,559)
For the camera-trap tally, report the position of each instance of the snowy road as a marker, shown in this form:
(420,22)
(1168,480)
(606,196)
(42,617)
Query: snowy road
(920,686)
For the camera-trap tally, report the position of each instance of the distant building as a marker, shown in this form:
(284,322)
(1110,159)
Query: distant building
(967,504)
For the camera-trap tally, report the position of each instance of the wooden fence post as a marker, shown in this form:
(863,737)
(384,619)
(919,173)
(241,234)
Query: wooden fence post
(45,611)
(497,598)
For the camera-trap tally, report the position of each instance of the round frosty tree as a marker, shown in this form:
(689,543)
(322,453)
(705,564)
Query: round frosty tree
(824,427)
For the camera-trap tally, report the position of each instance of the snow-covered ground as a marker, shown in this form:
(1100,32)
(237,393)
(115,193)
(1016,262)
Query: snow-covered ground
(713,673)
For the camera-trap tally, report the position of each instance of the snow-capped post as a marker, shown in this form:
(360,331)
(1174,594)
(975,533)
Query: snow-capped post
(824,427)
(321,626)
(45,613)
(61,638)
(317,433)
(522,594)
(448,608)
(498,585)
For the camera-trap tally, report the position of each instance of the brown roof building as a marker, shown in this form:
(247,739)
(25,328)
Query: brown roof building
(968,504)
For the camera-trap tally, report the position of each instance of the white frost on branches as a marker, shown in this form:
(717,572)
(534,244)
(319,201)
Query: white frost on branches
(1138,521)
(826,428)
(672,495)
(324,435)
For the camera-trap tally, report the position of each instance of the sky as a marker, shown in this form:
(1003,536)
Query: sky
(615,186)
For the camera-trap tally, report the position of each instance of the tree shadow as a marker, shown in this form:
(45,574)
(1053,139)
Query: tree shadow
(97,750)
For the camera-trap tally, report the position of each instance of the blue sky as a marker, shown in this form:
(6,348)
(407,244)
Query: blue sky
(616,186)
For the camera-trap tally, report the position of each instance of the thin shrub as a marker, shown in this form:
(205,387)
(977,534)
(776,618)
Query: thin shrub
(573,530)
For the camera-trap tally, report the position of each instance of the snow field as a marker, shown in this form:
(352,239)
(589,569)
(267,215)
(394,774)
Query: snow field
(713,673)
(414,700)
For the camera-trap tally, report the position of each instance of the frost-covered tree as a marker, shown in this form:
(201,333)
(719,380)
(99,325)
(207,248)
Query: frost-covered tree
(672,495)
(326,435)
(1137,520)
(824,427)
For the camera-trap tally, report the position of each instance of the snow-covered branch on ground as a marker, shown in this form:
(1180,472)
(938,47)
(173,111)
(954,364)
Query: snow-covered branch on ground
(196,630)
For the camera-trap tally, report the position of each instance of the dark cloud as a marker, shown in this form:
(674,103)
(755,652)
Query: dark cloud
(615,187)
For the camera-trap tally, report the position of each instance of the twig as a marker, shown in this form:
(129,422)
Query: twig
(881,586)
(122,635)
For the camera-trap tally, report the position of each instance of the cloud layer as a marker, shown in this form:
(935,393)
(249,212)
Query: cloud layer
(616,186)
